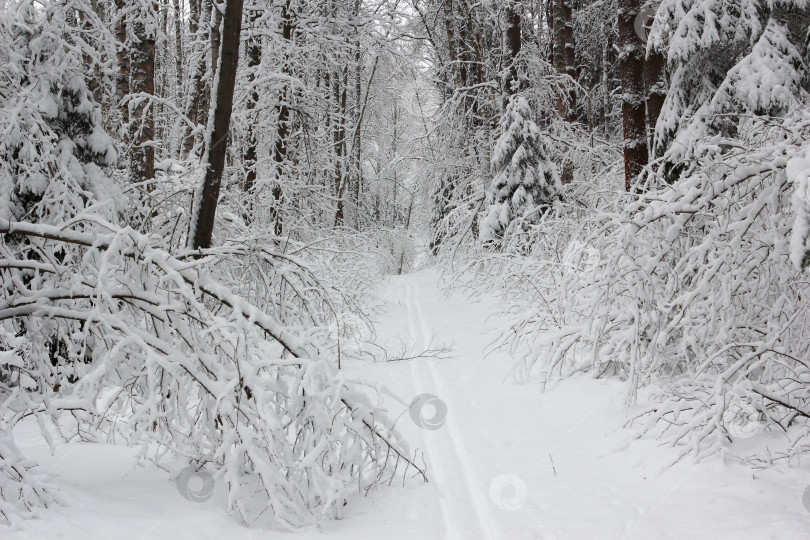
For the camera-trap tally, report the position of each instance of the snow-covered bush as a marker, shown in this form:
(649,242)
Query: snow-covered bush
(195,369)
(218,357)
(696,301)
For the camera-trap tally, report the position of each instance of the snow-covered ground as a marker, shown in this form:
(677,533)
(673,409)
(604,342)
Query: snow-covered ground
(505,461)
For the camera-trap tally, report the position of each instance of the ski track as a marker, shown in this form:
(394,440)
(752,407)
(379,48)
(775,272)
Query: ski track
(456,526)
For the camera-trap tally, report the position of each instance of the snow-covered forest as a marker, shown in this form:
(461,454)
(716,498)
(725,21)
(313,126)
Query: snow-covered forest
(458,269)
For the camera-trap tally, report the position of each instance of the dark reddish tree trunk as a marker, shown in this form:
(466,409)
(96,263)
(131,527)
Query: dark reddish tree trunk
(122,81)
(631,66)
(558,16)
(513,39)
(204,214)
(178,46)
(655,83)
(142,83)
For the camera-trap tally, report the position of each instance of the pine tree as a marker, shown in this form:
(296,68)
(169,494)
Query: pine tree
(525,182)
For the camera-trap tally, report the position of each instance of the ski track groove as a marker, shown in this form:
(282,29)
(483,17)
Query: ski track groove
(454,524)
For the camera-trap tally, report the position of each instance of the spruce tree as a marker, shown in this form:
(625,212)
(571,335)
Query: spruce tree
(525,182)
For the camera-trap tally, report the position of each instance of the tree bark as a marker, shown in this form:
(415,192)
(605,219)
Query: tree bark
(178,47)
(282,128)
(122,80)
(142,54)
(197,102)
(631,67)
(558,16)
(513,39)
(254,57)
(655,83)
(208,195)
(339,141)
(570,58)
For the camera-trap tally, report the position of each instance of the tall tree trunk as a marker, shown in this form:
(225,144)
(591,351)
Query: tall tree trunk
(216,38)
(450,29)
(122,80)
(655,86)
(208,196)
(558,15)
(339,140)
(570,58)
(254,57)
(631,66)
(197,101)
(514,43)
(605,88)
(282,128)
(178,48)
(142,54)
(356,158)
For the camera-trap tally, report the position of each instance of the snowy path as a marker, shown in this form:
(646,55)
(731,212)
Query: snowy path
(454,453)
(508,462)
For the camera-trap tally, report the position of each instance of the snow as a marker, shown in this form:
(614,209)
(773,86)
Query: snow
(508,461)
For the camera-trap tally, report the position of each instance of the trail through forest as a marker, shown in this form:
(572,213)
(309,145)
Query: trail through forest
(504,460)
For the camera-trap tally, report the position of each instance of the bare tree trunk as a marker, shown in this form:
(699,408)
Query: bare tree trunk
(216,38)
(631,66)
(204,214)
(558,16)
(570,58)
(142,54)
(122,81)
(513,39)
(282,129)
(197,102)
(254,57)
(339,138)
(178,47)
(357,117)
(655,83)
(605,88)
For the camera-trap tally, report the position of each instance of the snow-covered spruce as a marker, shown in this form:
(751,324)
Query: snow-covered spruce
(525,182)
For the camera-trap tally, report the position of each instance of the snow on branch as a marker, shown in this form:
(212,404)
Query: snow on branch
(192,368)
